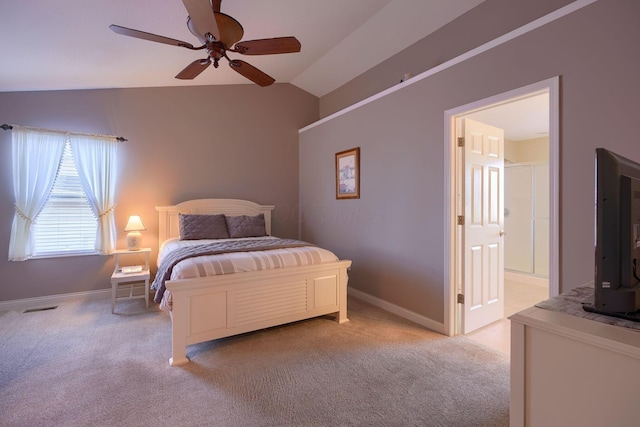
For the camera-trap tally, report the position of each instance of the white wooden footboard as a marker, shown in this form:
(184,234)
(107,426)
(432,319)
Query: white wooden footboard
(215,307)
(220,306)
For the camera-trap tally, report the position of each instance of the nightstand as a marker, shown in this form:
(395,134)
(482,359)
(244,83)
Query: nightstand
(132,280)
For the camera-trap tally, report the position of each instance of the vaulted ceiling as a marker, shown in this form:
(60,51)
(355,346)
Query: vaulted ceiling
(67,44)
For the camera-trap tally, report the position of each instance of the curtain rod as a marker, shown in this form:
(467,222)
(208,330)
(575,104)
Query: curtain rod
(118,138)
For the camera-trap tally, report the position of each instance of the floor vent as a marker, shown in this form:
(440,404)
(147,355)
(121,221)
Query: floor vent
(33,310)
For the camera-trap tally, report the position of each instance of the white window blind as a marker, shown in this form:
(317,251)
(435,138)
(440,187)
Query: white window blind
(66,225)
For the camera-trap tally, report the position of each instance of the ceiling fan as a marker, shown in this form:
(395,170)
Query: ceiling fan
(219,33)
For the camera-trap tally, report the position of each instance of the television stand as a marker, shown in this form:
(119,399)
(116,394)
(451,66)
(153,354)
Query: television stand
(567,370)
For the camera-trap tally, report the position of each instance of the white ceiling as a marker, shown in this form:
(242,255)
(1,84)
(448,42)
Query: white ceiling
(67,44)
(523,119)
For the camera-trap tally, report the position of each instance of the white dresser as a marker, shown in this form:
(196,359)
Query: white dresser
(571,371)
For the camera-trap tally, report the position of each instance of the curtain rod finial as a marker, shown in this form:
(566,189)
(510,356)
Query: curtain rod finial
(6,127)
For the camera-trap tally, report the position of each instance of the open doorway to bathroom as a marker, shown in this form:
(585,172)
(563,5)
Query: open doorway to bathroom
(529,119)
(526,213)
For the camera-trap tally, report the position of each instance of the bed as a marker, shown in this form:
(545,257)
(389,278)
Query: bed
(222,305)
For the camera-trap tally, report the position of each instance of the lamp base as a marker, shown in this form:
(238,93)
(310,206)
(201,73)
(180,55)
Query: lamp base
(134,241)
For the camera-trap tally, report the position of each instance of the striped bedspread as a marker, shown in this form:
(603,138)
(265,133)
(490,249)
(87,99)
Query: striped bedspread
(180,259)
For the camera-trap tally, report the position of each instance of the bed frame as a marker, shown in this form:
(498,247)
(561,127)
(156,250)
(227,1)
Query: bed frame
(208,308)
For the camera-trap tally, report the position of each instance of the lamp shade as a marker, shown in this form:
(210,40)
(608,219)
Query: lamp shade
(134,224)
(134,238)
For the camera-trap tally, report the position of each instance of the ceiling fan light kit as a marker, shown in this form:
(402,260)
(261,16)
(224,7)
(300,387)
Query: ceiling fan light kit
(219,33)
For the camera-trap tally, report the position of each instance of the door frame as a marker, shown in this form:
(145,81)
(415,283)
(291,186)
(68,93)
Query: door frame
(453,169)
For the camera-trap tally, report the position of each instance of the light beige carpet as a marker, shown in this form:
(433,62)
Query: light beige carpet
(80,365)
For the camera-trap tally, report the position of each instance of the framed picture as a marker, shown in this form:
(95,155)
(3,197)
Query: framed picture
(348,174)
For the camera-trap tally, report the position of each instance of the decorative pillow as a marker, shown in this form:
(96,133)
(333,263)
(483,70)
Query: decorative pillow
(197,227)
(246,226)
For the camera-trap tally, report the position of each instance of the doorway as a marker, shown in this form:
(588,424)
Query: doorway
(499,111)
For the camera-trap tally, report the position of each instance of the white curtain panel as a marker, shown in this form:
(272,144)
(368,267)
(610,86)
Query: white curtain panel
(95,158)
(36,156)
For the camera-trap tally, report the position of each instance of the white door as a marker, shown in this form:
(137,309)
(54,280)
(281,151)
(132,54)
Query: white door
(482,225)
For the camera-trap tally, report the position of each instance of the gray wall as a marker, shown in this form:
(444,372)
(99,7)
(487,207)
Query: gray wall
(488,20)
(194,142)
(394,233)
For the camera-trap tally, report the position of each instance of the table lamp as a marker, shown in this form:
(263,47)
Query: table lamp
(134,238)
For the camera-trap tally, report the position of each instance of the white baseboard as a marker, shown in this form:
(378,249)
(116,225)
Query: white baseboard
(51,300)
(397,310)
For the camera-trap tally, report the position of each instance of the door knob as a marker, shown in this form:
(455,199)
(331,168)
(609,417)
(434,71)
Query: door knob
(502,233)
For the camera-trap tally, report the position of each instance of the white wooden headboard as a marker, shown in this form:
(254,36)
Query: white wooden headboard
(169,225)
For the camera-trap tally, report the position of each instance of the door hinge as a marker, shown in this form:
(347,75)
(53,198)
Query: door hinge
(461,141)
(460,219)
(460,298)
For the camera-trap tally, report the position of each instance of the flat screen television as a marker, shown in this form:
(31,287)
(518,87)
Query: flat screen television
(617,249)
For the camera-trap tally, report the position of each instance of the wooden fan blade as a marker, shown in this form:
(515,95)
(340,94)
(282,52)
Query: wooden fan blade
(251,72)
(203,17)
(216,5)
(194,69)
(148,36)
(269,46)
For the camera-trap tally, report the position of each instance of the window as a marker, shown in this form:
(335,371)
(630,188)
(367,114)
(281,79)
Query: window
(66,224)
(64,187)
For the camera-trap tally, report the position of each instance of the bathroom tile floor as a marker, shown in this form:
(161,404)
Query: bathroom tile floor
(518,296)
